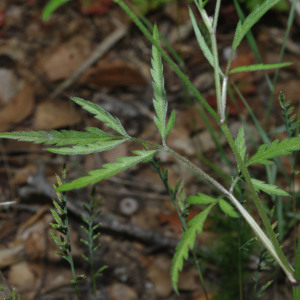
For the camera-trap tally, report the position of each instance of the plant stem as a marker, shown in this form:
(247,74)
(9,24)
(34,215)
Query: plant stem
(271,245)
(168,59)
(172,195)
(70,257)
(258,204)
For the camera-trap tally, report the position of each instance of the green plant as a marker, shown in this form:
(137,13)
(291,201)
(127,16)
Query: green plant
(61,225)
(51,6)
(14,295)
(96,140)
(282,5)
(89,228)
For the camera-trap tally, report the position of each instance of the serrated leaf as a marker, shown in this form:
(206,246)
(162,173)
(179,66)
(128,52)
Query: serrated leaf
(201,41)
(54,237)
(84,219)
(101,114)
(254,16)
(51,7)
(96,235)
(228,209)
(241,143)
(108,170)
(59,138)
(58,207)
(57,218)
(268,188)
(201,199)
(263,288)
(100,270)
(84,229)
(88,148)
(170,123)
(84,242)
(96,247)
(96,226)
(84,257)
(159,102)
(276,148)
(259,67)
(187,243)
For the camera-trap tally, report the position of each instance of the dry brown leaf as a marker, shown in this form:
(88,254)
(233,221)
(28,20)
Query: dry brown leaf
(24,279)
(113,72)
(18,109)
(11,256)
(64,60)
(9,85)
(21,175)
(159,274)
(119,291)
(53,114)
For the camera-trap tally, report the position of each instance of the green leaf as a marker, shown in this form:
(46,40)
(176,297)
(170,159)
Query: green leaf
(277,148)
(108,170)
(268,188)
(201,199)
(228,209)
(51,7)
(160,103)
(259,67)
(289,118)
(84,242)
(57,218)
(241,143)
(201,41)
(101,114)
(170,123)
(58,207)
(60,138)
(84,257)
(187,243)
(88,148)
(54,237)
(84,229)
(254,16)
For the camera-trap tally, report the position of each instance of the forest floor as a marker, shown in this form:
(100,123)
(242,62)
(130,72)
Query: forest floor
(96,53)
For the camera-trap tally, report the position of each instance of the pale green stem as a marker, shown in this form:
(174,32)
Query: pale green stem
(221,106)
(216,15)
(252,223)
(168,59)
(257,201)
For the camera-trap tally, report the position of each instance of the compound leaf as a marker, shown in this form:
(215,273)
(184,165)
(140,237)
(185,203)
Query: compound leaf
(268,188)
(277,148)
(101,114)
(108,170)
(254,16)
(187,243)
